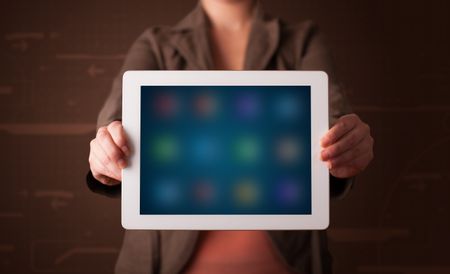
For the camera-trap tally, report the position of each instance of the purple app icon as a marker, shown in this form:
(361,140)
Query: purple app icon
(288,192)
(248,106)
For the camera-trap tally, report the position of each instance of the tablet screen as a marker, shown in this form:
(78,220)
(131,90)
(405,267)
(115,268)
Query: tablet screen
(225,150)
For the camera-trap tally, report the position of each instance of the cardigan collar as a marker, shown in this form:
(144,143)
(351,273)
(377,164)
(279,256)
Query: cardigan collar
(191,38)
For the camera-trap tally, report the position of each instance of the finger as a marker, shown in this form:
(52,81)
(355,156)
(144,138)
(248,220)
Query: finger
(361,148)
(119,137)
(105,161)
(344,124)
(348,141)
(113,152)
(354,167)
(97,167)
(101,173)
(105,179)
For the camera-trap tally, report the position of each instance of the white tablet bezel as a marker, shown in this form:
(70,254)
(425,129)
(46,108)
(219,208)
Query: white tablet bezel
(132,82)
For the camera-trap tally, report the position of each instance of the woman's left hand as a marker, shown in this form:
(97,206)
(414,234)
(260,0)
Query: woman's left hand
(347,147)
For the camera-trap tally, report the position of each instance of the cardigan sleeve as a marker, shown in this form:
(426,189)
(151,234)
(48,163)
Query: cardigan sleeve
(140,56)
(314,55)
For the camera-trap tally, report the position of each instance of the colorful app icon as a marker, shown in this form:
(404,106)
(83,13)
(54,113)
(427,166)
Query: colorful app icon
(288,150)
(288,192)
(166,105)
(287,107)
(165,149)
(246,193)
(204,192)
(167,192)
(205,106)
(248,106)
(205,149)
(247,149)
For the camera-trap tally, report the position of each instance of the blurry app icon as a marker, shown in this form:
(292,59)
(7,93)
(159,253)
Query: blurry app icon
(247,149)
(205,106)
(204,192)
(248,106)
(287,107)
(246,193)
(165,148)
(168,192)
(288,192)
(205,149)
(287,150)
(166,105)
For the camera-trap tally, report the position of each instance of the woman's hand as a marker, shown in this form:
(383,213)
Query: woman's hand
(108,154)
(347,147)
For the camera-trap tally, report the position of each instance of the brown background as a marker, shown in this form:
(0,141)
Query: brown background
(57,60)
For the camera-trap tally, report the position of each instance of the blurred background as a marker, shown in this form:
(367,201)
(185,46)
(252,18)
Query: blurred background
(57,61)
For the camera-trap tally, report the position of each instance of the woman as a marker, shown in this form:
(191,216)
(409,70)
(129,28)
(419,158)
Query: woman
(229,35)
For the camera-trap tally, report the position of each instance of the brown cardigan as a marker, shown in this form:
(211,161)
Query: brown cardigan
(273,45)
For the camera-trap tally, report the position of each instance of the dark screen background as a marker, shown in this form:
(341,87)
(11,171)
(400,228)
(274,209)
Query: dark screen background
(207,159)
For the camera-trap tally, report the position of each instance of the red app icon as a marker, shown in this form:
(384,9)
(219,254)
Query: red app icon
(166,105)
(205,106)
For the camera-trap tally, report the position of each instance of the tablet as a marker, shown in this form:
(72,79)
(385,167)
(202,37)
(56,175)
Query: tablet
(228,150)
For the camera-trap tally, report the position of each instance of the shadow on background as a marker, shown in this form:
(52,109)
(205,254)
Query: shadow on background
(58,59)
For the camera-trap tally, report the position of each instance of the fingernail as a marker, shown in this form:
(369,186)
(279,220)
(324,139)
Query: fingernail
(121,163)
(329,165)
(126,150)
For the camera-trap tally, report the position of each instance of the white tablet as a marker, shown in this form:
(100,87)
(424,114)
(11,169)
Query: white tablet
(228,150)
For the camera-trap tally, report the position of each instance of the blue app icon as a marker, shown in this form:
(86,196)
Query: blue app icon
(205,149)
(287,107)
(167,192)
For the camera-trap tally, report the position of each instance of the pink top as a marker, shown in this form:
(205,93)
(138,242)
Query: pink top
(249,252)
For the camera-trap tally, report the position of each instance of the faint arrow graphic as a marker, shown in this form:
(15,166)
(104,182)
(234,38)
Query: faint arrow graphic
(84,250)
(24,35)
(7,248)
(48,129)
(85,56)
(94,70)
(21,45)
(6,90)
(67,255)
(19,39)
(59,198)
(11,215)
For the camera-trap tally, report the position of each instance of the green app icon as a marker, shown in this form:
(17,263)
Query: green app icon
(247,149)
(165,148)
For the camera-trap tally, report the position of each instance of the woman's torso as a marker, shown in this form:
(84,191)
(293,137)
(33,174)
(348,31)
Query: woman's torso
(184,47)
(249,252)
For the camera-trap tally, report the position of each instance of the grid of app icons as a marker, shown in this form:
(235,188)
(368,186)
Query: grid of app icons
(225,150)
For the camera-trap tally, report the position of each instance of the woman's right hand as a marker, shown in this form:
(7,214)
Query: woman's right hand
(109,153)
